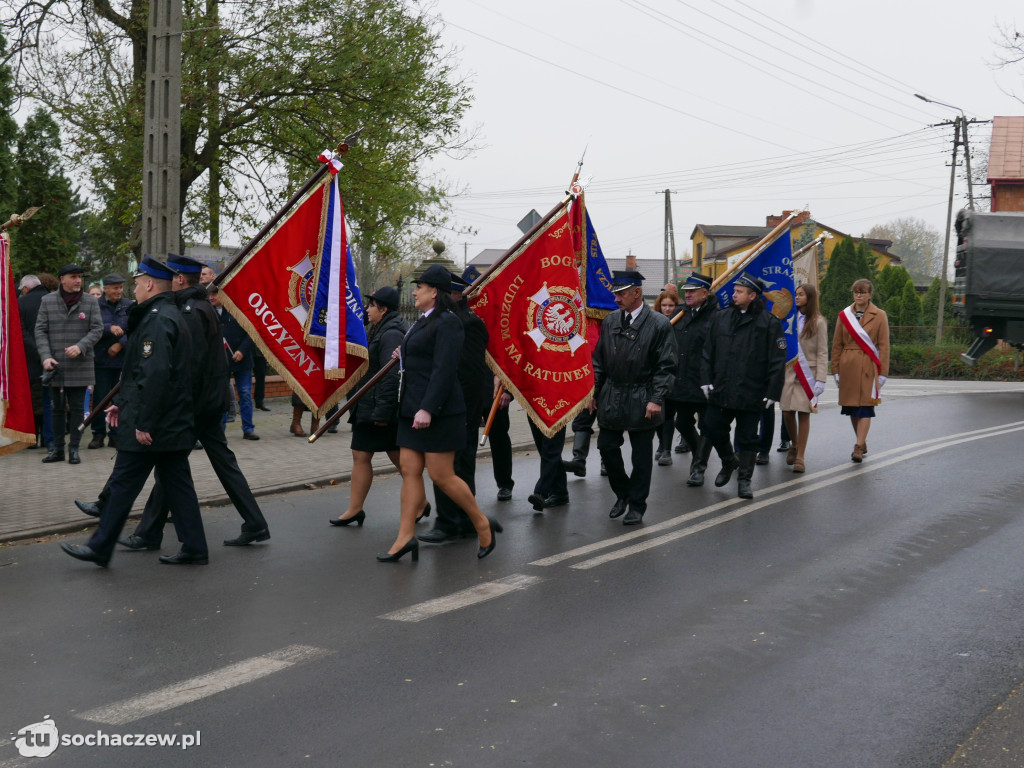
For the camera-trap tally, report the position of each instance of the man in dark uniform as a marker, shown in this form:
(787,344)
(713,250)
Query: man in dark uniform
(742,373)
(109,352)
(474,378)
(634,367)
(154,411)
(210,401)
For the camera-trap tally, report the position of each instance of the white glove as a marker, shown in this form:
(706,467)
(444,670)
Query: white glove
(837,379)
(707,389)
(769,403)
(882,380)
(818,388)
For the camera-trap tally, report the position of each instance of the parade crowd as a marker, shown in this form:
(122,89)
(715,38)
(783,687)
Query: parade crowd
(685,365)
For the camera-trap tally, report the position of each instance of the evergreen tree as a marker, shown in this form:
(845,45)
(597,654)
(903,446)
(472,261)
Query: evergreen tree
(889,284)
(867,257)
(910,313)
(8,138)
(930,305)
(52,237)
(844,268)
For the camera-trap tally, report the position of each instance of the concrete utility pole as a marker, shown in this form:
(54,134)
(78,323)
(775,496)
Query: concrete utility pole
(161,160)
(670,238)
(949,223)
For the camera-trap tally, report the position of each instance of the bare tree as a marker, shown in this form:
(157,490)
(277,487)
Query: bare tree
(917,244)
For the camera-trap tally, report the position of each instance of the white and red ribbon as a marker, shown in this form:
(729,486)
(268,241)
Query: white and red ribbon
(803,374)
(333,163)
(856,330)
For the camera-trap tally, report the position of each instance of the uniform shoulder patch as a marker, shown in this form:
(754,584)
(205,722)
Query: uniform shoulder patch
(147,348)
(188,308)
(781,342)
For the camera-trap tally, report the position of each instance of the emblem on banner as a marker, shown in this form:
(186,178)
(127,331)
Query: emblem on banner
(555,319)
(300,289)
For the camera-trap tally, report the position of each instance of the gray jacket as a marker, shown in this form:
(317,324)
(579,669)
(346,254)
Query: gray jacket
(58,327)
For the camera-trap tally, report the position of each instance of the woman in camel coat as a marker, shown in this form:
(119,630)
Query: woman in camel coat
(859,378)
(812,335)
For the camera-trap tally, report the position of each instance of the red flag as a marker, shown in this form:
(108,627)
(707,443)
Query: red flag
(533,306)
(16,420)
(270,294)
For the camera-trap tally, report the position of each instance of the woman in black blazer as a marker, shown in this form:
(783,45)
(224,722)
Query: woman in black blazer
(431,414)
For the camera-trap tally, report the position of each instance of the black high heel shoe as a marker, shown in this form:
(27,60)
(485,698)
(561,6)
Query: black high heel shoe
(412,545)
(357,518)
(495,530)
(424,513)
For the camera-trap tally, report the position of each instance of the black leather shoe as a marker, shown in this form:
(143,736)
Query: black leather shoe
(537,500)
(96,442)
(424,513)
(138,543)
(82,552)
(729,466)
(250,436)
(55,455)
(682,448)
(556,500)
(437,536)
(247,537)
(633,517)
(784,446)
(504,494)
(495,530)
(185,558)
(762,458)
(412,545)
(111,442)
(618,510)
(262,407)
(666,459)
(357,518)
(73,457)
(604,470)
(90,508)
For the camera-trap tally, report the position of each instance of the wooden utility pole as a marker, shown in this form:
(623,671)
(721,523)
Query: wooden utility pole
(161,159)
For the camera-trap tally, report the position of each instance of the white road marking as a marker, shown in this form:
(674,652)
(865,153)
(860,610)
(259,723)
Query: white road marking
(466,597)
(802,481)
(754,506)
(200,687)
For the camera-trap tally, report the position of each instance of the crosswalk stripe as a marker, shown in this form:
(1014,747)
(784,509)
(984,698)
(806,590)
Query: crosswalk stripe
(467,597)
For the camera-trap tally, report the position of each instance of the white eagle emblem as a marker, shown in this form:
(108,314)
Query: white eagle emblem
(556,319)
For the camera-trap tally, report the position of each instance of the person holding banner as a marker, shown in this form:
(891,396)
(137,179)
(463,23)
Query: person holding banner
(860,362)
(742,374)
(634,368)
(805,379)
(431,414)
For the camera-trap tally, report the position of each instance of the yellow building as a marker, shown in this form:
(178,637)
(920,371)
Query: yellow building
(717,246)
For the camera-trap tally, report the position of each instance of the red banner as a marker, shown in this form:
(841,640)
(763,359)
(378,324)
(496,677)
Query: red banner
(534,309)
(16,420)
(270,294)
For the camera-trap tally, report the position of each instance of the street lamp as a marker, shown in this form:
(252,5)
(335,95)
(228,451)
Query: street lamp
(962,120)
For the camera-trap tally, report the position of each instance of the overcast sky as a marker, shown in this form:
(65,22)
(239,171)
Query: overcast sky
(739,113)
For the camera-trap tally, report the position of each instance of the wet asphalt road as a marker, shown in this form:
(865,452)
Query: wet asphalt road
(856,616)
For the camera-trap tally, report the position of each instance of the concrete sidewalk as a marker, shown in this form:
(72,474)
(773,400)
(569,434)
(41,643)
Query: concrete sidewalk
(37,499)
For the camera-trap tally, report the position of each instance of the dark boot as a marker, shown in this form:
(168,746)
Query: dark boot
(746,459)
(296,427)
(730,464)
(700,462)
(580,451)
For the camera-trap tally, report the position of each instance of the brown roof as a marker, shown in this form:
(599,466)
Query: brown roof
(1006,153)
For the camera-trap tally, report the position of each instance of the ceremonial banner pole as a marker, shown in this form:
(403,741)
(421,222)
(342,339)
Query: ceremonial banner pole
(100,406)
(342,148)
(764,242)
(492,414)
(342,410)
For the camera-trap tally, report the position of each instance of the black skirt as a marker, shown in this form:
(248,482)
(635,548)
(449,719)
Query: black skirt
(370,438)
(445,433)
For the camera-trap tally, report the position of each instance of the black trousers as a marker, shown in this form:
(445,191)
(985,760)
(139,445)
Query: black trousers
(635,486)
(222,458)
(667,431)
(552,476)
(106,378)
(584,421)
(72,401)
(717,422)
(450,516)
(131,469)
(501,450)
(686,415)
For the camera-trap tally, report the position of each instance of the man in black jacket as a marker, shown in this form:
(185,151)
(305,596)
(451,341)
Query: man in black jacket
(32,292)
(154,411)
(634,367)
(210,402)
(742,373)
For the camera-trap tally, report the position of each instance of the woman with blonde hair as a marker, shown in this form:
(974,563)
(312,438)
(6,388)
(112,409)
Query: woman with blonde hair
(805,378)
(860,362)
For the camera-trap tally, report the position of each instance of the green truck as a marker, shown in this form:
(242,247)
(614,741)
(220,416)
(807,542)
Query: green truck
(988,284)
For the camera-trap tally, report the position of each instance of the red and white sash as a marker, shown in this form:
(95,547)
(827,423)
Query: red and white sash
(806,378)
(856,330)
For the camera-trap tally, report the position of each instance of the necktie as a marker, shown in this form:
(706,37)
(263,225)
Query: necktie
(628,319)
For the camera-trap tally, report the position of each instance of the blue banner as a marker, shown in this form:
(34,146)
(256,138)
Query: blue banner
(599,277)
(774,267)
